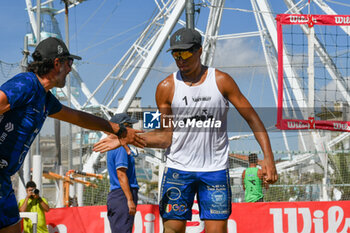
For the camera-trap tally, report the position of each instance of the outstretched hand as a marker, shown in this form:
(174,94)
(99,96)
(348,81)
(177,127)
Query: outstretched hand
(269,171)
(112,141)
(109,143)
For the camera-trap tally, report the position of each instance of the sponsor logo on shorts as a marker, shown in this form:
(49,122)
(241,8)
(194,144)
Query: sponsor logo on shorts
(175,175)
(168,208)
(218,211)
(218,197)
(173,193)
(176,208)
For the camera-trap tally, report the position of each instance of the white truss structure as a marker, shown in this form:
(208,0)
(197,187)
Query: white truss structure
(132,69)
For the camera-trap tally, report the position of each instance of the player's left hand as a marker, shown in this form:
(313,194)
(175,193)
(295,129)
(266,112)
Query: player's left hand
(269,171)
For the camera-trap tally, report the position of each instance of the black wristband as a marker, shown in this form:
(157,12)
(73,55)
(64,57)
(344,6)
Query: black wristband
(121,131)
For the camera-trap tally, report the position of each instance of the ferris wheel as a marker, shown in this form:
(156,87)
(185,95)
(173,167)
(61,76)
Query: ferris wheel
(127,75)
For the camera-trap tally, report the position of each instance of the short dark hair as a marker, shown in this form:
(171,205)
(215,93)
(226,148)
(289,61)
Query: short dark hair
(30,184)
(253,158)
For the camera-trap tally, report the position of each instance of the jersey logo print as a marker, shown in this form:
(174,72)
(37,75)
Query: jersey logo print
(252,181)
(19,85)
(201,98)
(10,93)
(36,110)
(3,163)
(9,127)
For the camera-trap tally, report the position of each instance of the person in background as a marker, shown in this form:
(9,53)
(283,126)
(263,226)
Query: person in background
(34,203)
(252,181)
(122,198)
(25,103)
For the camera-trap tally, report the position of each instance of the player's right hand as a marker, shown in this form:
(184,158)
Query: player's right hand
(269,171)
(132,137)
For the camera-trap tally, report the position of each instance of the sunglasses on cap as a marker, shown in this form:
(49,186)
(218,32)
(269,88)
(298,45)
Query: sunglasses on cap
(182,55)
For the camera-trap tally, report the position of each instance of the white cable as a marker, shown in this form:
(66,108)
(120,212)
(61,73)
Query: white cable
(88,20)
(339,3)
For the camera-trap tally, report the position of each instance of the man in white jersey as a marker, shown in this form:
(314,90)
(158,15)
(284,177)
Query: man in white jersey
(196,100)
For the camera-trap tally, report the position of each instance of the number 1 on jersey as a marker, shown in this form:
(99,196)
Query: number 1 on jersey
(185,99)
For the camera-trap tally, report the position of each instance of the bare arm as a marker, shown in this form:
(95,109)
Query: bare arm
(43,204)
(4,103)
(89,121)
(85,120)
(23,207)
(124,184)
(230,90)
(160,138)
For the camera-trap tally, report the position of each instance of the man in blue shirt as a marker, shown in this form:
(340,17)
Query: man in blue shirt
(25,102)
(122,199)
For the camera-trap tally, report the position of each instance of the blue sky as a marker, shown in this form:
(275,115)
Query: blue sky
(102,31)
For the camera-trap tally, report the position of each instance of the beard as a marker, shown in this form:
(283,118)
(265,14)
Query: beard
(61,78)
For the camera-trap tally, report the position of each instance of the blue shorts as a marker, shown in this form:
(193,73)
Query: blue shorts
(9,213)
(179,188)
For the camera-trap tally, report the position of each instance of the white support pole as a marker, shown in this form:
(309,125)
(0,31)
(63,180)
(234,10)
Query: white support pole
(33,216)
(31,15)
(212,31)
(160,172)
(325,182)
(311,71)
(24,179)
(80,190)
(59,190)
(38,19)
(26,163)
(37,171)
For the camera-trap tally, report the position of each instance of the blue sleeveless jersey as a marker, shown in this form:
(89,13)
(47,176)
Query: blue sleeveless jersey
(30,104)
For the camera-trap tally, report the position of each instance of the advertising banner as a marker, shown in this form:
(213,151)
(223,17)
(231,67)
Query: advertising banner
(278,217)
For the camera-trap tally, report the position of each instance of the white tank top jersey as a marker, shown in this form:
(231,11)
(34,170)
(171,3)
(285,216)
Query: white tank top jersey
(193,148)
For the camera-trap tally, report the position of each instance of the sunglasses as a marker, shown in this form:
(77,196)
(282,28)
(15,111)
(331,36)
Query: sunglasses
(182,55)
(128,125)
